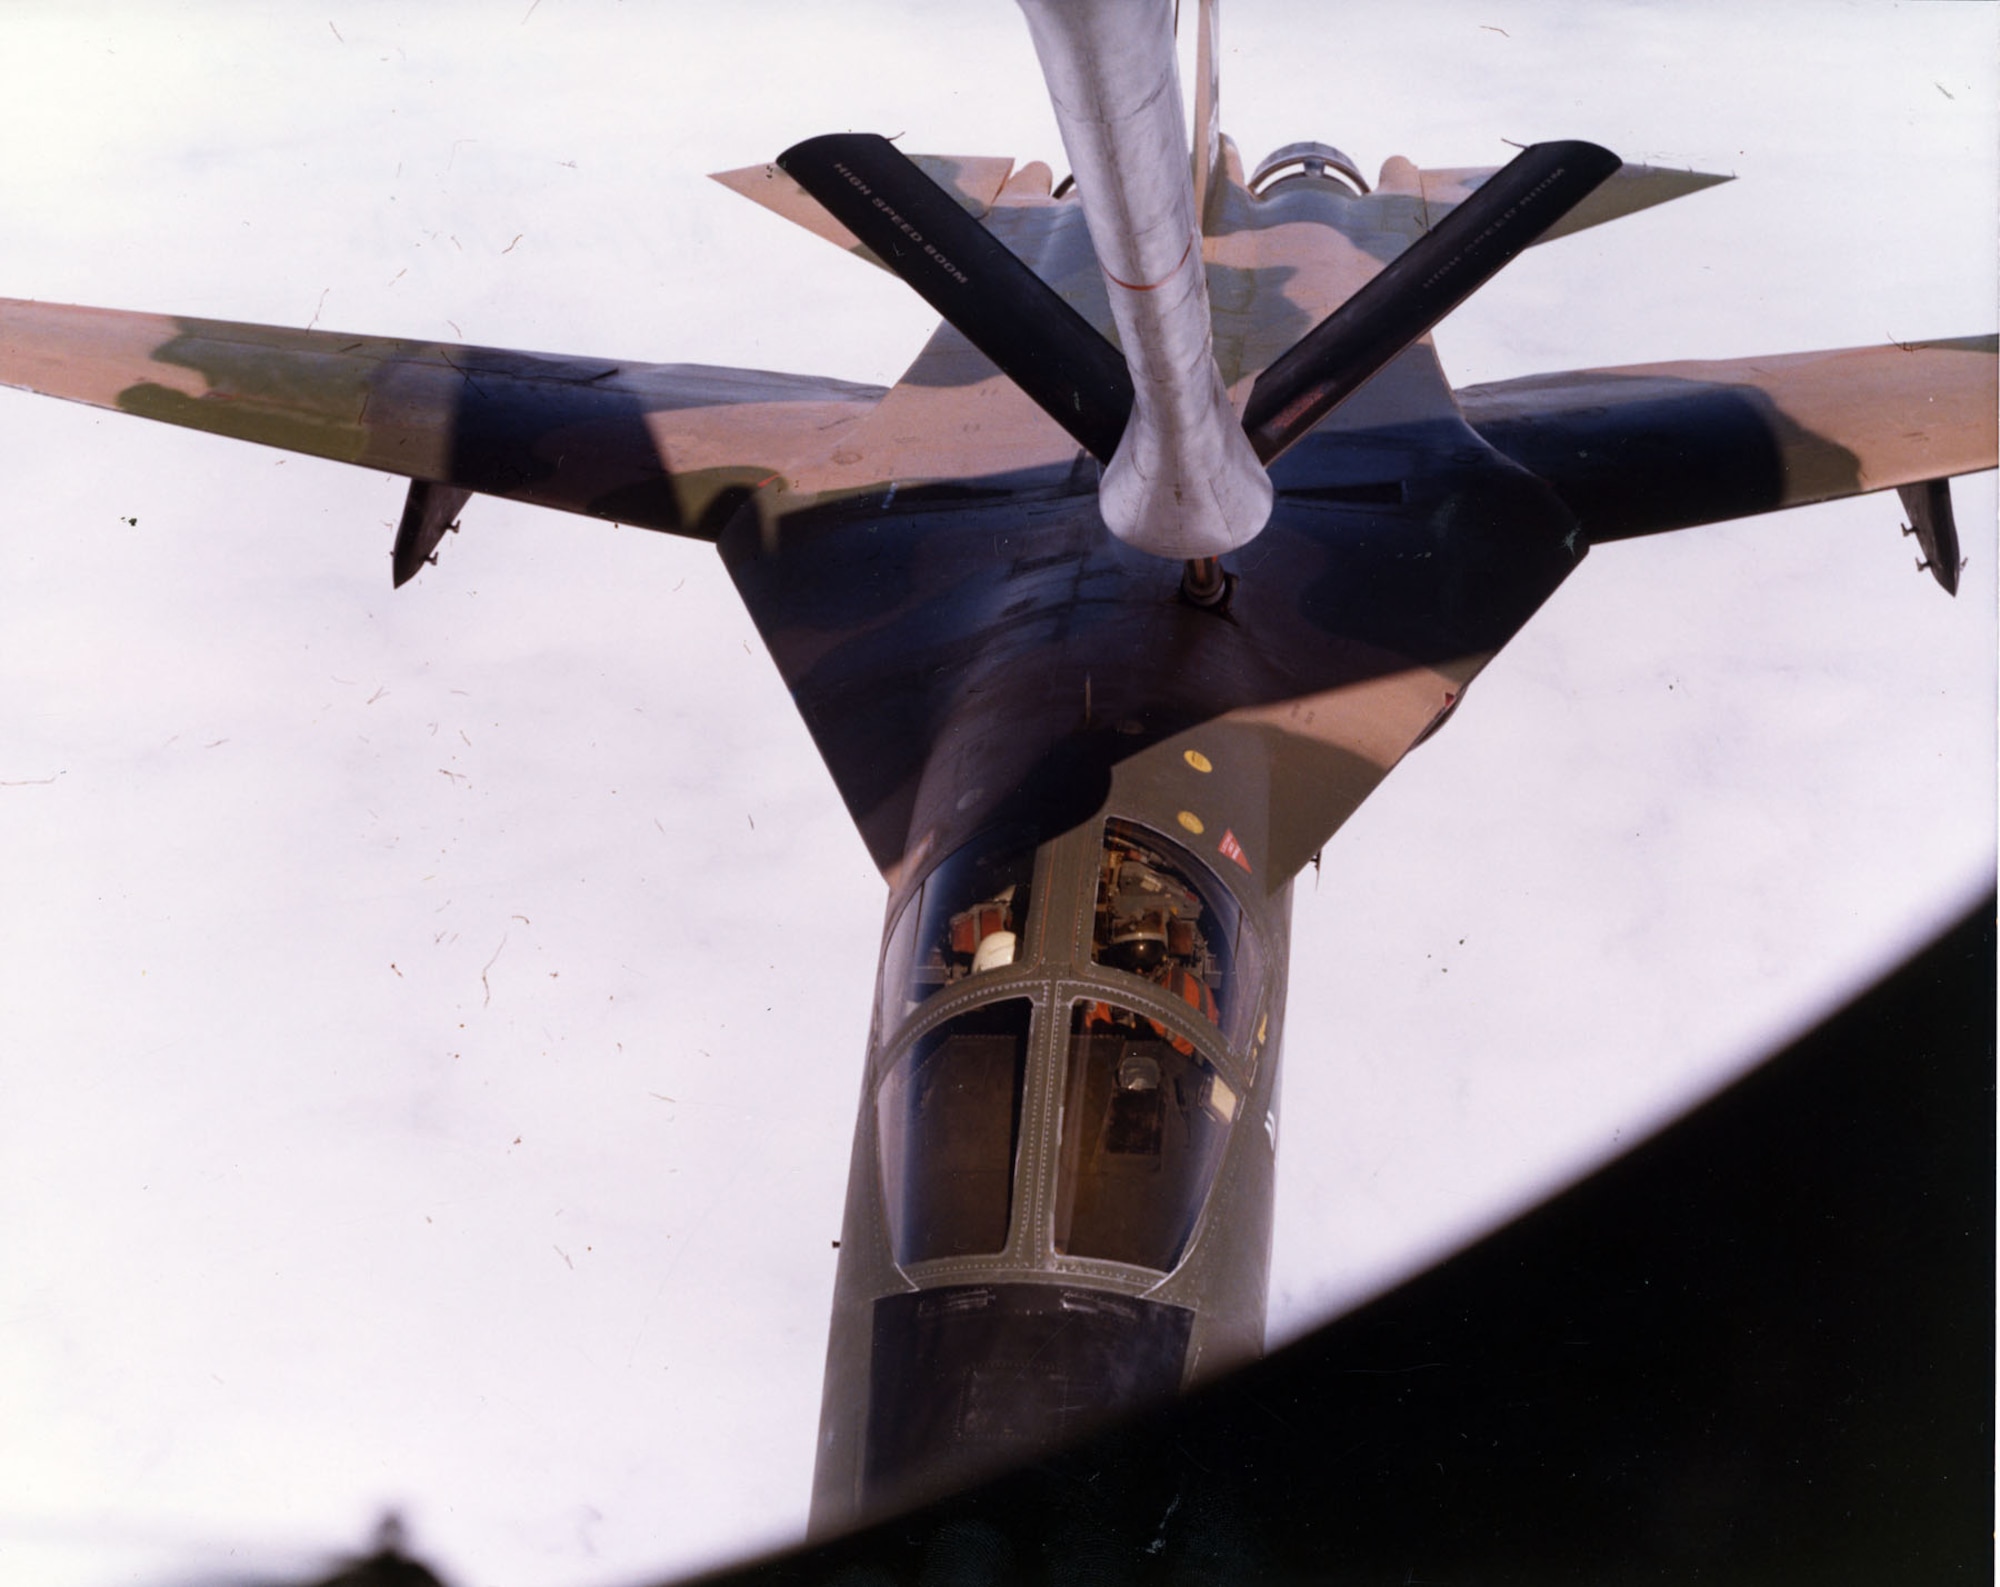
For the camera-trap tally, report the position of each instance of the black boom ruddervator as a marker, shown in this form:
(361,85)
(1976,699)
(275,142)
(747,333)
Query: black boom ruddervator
(923,234)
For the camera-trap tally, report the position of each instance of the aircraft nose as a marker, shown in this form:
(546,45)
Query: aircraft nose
(970,1378)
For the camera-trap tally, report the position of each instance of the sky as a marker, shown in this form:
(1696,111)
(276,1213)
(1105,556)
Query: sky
(431,1021)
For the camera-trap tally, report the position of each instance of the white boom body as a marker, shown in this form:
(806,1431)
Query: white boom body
(1184,482)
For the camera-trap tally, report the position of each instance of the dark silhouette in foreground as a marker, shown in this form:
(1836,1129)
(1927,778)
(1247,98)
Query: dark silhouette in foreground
(1758,1349)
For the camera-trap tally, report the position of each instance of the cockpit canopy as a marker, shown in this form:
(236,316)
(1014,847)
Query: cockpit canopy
(1108,1055)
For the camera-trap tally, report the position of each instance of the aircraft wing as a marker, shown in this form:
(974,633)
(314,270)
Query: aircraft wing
(672,447)
(1652,447)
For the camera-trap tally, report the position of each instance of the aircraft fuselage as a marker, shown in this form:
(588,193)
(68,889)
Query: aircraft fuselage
(1060,1197)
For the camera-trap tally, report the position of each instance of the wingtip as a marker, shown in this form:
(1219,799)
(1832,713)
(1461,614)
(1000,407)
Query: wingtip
(1670,182)
(770,186)
(745,178)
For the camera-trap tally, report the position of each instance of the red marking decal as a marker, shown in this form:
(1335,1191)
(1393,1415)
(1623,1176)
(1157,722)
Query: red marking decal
(1229,848)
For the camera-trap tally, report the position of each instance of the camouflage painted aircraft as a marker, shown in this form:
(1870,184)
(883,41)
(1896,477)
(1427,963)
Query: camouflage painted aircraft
(1170,544)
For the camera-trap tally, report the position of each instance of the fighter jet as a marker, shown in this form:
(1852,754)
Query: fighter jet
(1104,619)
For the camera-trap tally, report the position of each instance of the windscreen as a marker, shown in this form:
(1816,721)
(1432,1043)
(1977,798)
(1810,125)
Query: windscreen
(949,1119)
(1143,1127)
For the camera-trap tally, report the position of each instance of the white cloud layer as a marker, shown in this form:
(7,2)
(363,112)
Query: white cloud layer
(432,1022)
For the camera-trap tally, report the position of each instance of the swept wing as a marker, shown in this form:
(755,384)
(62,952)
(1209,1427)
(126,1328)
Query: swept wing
(673,447)
(1651,447)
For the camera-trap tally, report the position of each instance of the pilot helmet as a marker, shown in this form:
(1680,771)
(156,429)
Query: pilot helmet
(1139,947)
